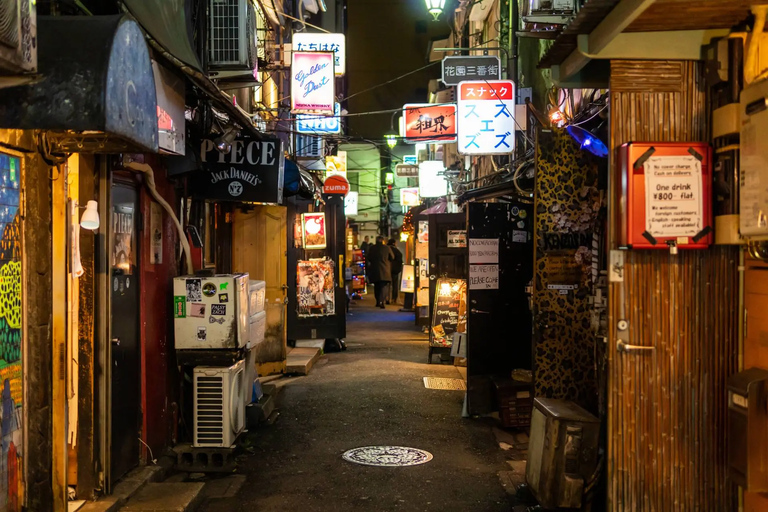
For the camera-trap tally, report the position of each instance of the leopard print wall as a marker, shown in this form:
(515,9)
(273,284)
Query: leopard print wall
(567,203)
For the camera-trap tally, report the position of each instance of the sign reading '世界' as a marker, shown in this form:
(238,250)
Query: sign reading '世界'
(252,171)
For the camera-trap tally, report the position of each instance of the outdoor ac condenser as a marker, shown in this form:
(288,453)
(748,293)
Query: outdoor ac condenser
(232,39)
(219,405)
(753,200)
(562,452)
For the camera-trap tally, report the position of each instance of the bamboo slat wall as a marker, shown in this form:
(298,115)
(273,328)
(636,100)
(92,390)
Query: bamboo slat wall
(667,408)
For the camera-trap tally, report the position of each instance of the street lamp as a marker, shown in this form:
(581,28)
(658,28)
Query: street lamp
(391,139)
(435,7)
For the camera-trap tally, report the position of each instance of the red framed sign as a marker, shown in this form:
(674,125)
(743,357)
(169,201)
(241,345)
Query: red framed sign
(666,195)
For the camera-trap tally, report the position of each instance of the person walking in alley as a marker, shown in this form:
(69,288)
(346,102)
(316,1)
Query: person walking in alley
(365,245)
(378,262)
(397,269)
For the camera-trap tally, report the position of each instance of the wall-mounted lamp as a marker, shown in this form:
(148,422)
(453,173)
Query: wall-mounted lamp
(224,141)
(391,139)
(435,7)
(90,218)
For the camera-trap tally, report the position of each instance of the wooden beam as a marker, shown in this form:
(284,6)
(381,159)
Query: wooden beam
(671,45)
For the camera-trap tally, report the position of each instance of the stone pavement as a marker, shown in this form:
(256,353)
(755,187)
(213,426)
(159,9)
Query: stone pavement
(371,394)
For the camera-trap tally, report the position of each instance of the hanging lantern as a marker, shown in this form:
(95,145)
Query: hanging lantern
(435,7)
(391,139)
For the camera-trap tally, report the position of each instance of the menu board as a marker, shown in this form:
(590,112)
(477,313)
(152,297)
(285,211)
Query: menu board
(450,311)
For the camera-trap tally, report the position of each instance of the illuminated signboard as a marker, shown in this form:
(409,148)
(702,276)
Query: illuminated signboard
(314,42)
(312,83)
(429,123)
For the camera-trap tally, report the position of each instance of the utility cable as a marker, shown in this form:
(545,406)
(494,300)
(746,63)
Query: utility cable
(390,81)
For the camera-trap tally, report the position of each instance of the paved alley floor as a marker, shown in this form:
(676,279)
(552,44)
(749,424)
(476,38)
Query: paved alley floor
(371,394)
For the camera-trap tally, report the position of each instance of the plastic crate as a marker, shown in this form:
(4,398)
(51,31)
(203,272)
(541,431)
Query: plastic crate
(515,401)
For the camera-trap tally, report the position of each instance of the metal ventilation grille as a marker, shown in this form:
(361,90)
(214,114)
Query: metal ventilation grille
(309,146)
(9,23)
(209,427)
(225,31)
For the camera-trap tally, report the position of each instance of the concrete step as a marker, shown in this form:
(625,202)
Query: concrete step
(166,497)
(300,360)
(127,487)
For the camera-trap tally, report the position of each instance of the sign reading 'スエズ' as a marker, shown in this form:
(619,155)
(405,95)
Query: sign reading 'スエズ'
(251,172)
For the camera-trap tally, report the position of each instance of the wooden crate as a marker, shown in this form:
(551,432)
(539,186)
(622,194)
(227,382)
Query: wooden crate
(515,401)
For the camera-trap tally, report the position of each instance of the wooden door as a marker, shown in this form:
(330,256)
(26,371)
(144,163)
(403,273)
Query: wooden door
(755,342)
(667,402)
(259,246)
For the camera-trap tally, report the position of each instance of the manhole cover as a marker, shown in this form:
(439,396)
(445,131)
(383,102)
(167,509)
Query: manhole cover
(442,383)
(389,456)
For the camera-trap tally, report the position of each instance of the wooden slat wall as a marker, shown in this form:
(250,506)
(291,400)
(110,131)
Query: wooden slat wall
(667,409)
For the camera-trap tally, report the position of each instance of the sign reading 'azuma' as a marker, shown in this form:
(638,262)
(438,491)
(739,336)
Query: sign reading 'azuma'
(252,171)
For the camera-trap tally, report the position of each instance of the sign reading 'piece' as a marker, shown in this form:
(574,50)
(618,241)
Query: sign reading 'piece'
(251,172)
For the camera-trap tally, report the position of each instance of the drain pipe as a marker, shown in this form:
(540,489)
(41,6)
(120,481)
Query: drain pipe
(146,170)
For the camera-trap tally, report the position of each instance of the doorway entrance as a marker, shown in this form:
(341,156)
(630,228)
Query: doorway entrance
(125,360)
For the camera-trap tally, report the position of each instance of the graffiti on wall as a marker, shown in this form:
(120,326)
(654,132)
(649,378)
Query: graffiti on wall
(11,403)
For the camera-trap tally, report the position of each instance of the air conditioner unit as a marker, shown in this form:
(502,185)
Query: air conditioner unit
(310,146)
(18,41)
(232,39)
(219,405)
(562,452)
(555,12)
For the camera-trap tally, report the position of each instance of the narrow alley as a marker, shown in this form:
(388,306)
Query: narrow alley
(371,394)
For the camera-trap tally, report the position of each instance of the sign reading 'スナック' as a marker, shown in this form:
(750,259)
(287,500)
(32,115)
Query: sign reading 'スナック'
(486,117)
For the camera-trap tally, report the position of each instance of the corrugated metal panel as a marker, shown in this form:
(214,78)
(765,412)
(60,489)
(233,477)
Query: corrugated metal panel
(667,409)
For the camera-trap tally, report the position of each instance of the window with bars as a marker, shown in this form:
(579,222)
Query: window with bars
(309,146)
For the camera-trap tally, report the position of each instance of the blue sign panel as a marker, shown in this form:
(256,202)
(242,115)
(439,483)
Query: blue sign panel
(311,124)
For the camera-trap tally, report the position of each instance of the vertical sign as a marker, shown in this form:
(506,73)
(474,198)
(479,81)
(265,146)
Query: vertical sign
(312,83)
(486,117)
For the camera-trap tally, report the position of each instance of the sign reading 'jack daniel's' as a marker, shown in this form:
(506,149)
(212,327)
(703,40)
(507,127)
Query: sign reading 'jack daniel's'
(251,172)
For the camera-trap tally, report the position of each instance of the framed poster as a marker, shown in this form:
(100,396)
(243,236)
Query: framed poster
(315,284)
(313,230)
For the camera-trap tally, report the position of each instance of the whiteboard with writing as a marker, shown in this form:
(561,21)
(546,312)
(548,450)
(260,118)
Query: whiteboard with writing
(483,277)
(673,201)
(483,250)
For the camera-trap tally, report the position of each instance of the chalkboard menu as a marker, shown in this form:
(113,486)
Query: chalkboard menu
(450,311)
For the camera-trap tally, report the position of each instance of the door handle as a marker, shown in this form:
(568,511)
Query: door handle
(116,341)
(473,310)
(629,349)
(432,277)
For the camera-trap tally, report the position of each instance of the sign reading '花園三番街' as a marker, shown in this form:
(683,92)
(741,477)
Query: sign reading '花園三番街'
(251,172)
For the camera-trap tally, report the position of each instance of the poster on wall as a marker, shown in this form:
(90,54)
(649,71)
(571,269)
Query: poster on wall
(11,357)
(312,83)
(423,236)
(673,203)
(336,164)
(407,281)
(313,230)
(315,288)
(122,250)
(450,311)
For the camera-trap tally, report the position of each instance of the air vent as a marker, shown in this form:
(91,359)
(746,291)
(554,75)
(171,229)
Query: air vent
(209,428)
(219,405)
(9,23)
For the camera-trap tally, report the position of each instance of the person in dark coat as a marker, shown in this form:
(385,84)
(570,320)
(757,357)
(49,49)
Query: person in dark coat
(397,269)
(378,263)
(365,245)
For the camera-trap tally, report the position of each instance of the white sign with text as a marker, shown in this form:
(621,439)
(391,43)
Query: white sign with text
(312,83)
(673,201)
(483,277)
(483,250)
